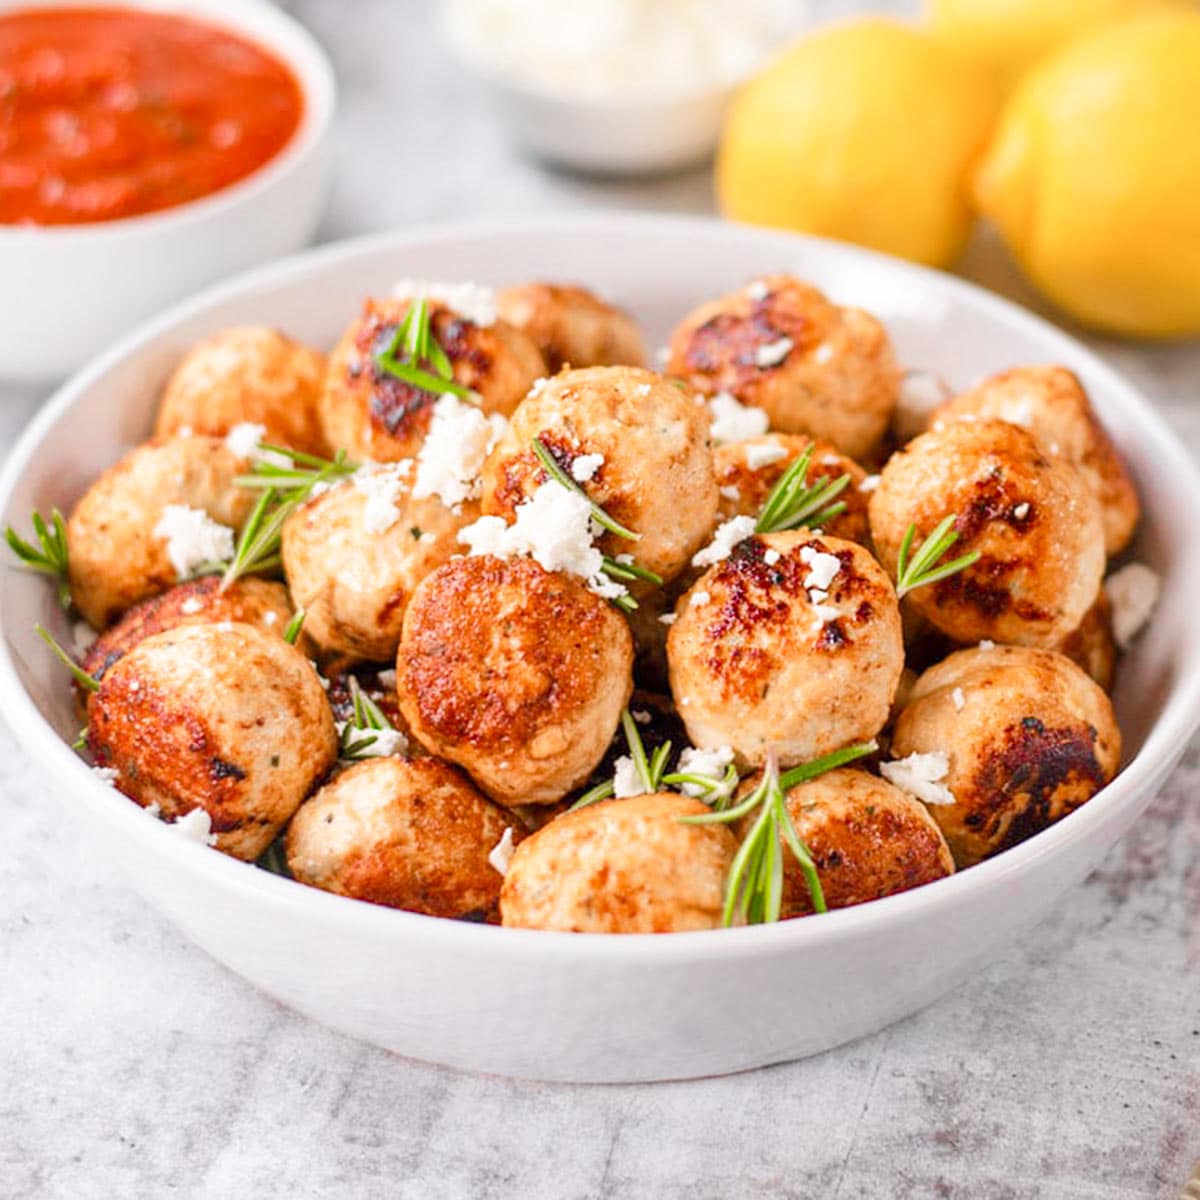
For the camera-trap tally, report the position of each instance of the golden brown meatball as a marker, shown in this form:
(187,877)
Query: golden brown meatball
(117,551)
(867,838)
(353,555)
(1050,402)
(1092,645)
(410,834)
(1031,517)
(793,642)
(622,866)
(516,674)
(225,718)
(371,414)
(249,375)
(747,471)
(572,326)
(654,473)
(200,601)
(781,346)
(1018,738)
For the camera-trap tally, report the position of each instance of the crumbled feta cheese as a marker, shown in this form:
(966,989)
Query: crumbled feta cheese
(193,538)
(728,535)
(470,300)
(771,557)
(958,699)
(459,439)
(536,388)
(108,775)
(987,644)
(824,613)
(191,606)
(641,716)
(380,743)
(626,779)
(1018,411)
(270,617)
(733,421)
(1021,512)
(196,825)
(500,855)
(773,353)
(642,389)
(918,774)
(381,485)
(626,560)
(184,431)
(731,492)
(869,484)
(711,764)
(584,468)
(1133,592)
(763,454)
(387,678)
(758,291)
(822,567)
(83,636)
(243,438)
(668,619)
(823,353)
(700,598)
(920,393)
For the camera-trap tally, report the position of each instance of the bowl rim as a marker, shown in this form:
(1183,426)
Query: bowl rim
(1137,780)
(256,21)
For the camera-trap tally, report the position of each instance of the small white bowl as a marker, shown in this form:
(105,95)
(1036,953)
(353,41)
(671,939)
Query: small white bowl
(579,1006)
(69,290)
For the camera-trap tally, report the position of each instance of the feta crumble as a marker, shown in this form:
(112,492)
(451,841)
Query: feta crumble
(1018,412)
(919,775)
(193,538)
(771,557)
(987,644)
(700,598)
(822,568)
(584,468)
(642,389)
(195,825)
(191,606)
(711,764)
(668,619)
(379,743)
(958,699)
(459,439)
(823,353)
(763,454)
(243,440)
(501,853)
(470,300)
(731,492)
(733,421)
(771,354)
(728,535)
(381,485)
(1133,592)
(758,291)
(108,775)
(387,678)
(870,483)
(1021,511)
(626,779)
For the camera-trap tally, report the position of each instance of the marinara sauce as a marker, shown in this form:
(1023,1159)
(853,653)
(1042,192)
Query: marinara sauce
(112,112)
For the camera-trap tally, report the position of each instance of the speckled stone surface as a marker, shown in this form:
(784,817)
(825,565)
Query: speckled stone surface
(133,1066)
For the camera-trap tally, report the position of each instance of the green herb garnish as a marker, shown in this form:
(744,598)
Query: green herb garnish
(81,677)
(292,632)
(367,718)
(793,501)
(49,556)
(413,348)
(923,568)
(650,767)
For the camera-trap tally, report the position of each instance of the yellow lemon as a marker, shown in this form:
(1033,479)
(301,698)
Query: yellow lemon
(1093,177)
(864,131)
(1010,36)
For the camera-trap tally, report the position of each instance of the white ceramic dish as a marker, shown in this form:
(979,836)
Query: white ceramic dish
(587,1007)
(69,290)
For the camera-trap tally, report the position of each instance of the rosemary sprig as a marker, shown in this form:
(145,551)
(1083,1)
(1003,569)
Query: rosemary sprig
(257,549)
(81,677)
(49,556)
(292,631)
(650,767)
(367,718)
(754,886)
(413,338)
(793,501)
(306,471)
(550,466)
(716,792)
(924,568)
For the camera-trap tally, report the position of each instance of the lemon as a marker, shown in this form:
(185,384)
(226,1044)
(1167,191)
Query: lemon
(863,131)
(1010,36)
(1093,177)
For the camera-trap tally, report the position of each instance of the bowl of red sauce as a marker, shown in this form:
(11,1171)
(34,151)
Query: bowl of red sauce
(147,148)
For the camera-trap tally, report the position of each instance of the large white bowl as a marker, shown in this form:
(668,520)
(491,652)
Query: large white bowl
(584,1007)
(69,290)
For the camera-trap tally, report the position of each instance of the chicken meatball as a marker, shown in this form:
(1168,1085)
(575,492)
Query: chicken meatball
(353,555)
(622,866)
(793,641)
(120,544)
(249,375)
(1050,402)
(637,444)
(747,471)
(412,834)
(220,717)
(1016,738)
(1034,521)
(200,601)
(781,346)
(867,839)
(1092,646)
(573,327)
(372,414)
(515,673)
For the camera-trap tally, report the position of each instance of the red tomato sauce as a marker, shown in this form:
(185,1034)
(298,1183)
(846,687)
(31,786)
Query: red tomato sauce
(112,112)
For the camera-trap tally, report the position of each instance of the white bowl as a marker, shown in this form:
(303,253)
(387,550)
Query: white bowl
(69,290)
(574,1006)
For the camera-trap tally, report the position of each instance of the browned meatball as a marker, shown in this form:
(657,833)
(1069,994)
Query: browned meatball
(1051,403)
(516,674)
(793,642)
(371,414)
(572,326)
(1031,517)
(117,553)
(1092,645)
(781,346)
(221,717)
(747,471)
(198,602)
(1016,738)
(646,447)
(623,866)
(410,834)
(867,838)
(249,375)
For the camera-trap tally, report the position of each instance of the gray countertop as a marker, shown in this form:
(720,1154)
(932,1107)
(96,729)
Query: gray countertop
(133,1066)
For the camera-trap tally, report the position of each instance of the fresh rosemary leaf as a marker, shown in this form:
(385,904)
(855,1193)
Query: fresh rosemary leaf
(292,632)
(49,556)
(793,502)
(925,567)
(81,677)
(413,337)
(551,467)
